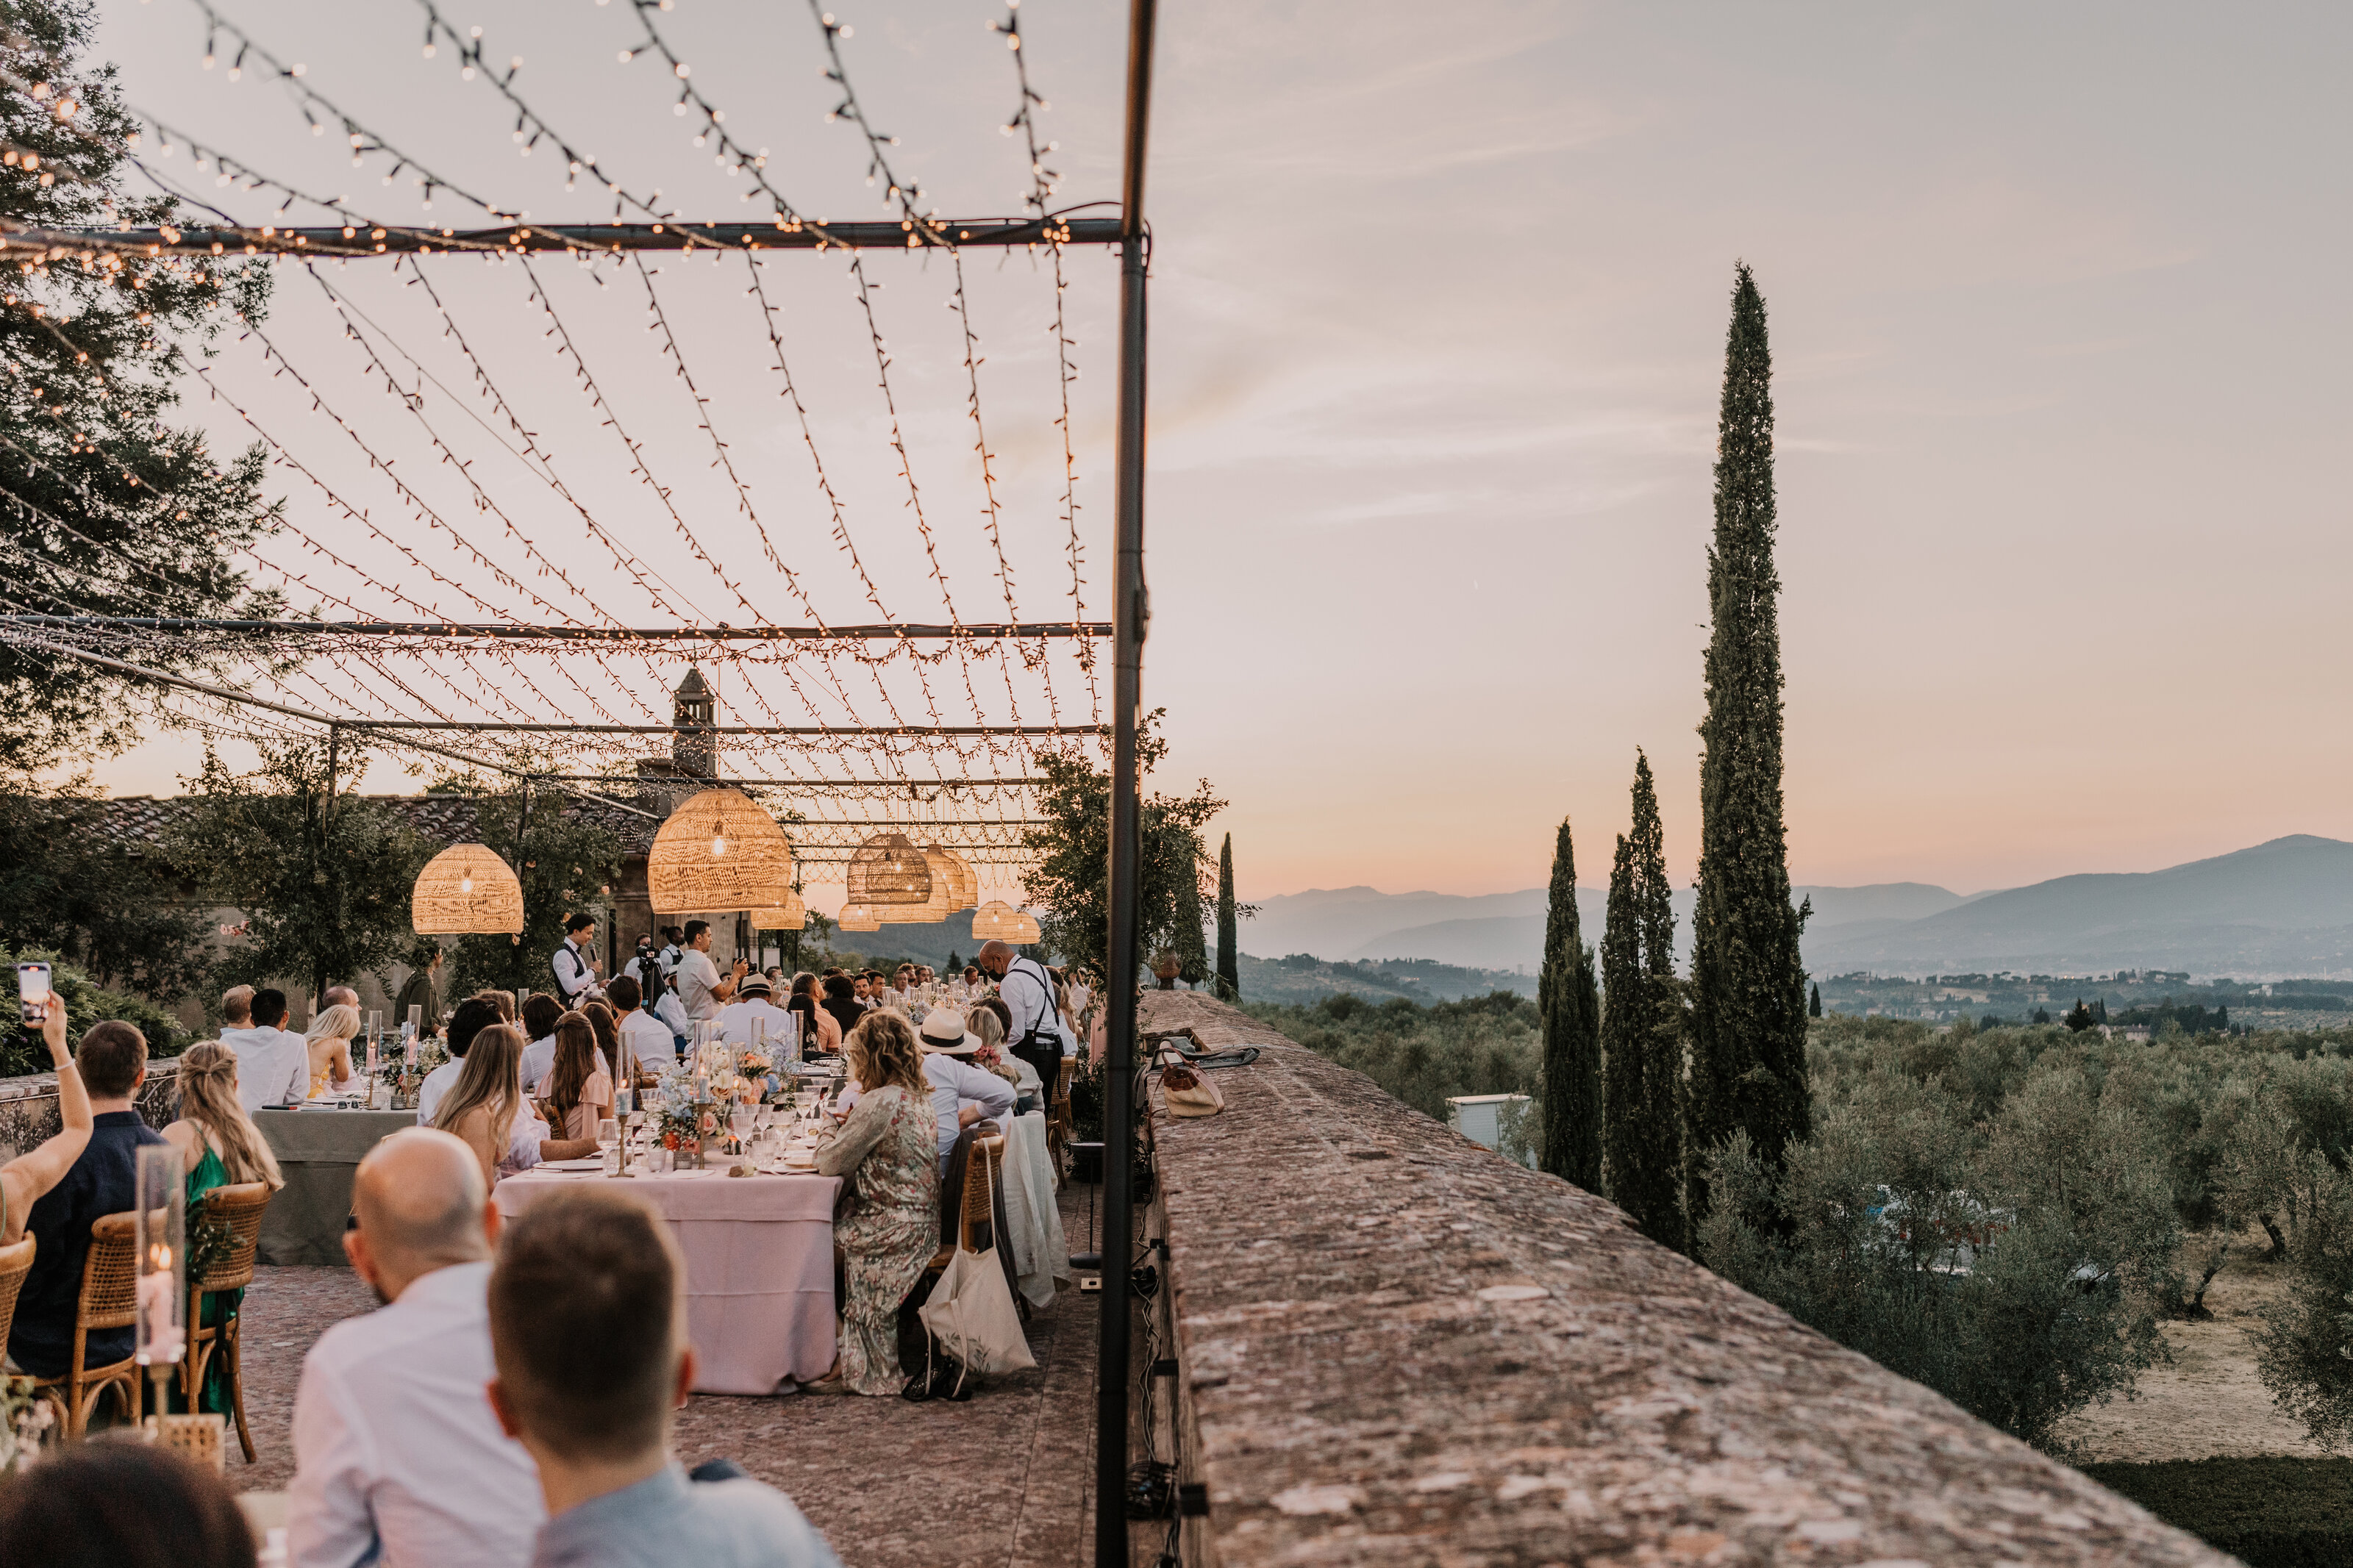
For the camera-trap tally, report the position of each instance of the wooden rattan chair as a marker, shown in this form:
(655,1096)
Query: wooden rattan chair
(109,1299)
(1059,1125)
(16,1262)
(239,1208)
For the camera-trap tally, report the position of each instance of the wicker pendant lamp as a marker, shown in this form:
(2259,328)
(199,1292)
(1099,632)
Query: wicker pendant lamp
(790,915)
(997,921)
(858,916)
(888,870)
(465,890)
(1024,929)
(964,881)
(719,850)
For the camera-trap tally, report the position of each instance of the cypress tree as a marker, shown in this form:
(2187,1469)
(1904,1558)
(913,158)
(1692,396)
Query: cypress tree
(1642,1033)
(1571,1014)
(1814,1004)
(1229,966)
(1748,985)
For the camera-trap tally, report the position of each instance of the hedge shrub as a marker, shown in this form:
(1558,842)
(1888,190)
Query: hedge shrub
(2269,1513)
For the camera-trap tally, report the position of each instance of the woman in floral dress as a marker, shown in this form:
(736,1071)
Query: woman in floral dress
(890,1146)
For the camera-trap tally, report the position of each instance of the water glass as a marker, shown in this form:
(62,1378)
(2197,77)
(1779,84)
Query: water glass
(608,1142)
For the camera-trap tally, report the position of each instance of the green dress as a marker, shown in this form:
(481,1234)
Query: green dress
(221,1305)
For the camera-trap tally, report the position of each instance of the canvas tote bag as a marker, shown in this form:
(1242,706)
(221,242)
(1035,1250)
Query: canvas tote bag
(971,1312)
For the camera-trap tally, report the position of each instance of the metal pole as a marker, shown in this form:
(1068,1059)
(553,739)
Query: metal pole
(1130,611)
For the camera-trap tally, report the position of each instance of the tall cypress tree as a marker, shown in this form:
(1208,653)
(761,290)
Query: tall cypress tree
(1571,1014)
(1229,966)
(1641,1027)
(1748,990)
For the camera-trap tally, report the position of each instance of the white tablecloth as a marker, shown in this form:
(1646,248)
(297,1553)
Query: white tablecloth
(1033,1225)
(759,1268)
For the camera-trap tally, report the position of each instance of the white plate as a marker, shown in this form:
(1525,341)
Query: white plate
(590,1163)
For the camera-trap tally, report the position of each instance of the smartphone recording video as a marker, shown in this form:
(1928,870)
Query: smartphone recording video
(31,992)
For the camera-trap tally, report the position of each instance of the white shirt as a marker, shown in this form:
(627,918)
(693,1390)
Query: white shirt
(572,978)
(955,1083)
(647,1040)
(735,1021)
(399,1457)
(1026,995)
(537,1057)
(273,1068)
(698,977)
(437,1084)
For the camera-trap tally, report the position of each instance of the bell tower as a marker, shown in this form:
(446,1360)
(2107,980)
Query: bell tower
(693,748)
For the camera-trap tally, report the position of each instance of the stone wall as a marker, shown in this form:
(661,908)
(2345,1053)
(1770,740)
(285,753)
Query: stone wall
(28,1106)
(1395,1347)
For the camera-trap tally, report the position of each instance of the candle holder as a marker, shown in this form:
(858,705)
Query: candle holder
(159,1239)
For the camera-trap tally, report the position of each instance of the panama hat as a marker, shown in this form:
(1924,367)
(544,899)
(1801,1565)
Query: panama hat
(944,1035)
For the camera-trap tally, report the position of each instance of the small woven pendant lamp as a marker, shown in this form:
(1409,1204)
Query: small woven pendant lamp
(790,915)
(996,920)
(719,850)
(466,889)
(858,916)
(888,870)
(964,881)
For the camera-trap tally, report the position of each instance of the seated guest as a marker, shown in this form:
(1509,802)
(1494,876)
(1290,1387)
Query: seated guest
(577,1093)
(398,1457)
(24,1179)
(819,1033)
(273,1067)
(112,1060)
(468,1018)
(889,1147)
(971,977)
(961,1094)
(646,1040)
(753,1012)
(504,1001)
(987,1031)
(599,1013)
(327,1048)
(539,1016)
(841,1004)
(219,1147)
(122,1505)
(588,1270)
(487,1110)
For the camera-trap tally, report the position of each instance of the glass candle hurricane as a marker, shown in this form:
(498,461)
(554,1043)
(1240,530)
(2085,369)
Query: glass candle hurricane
(160,1238)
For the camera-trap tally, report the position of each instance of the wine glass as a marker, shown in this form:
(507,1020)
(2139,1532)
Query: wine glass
(739,1122)
(608,1139)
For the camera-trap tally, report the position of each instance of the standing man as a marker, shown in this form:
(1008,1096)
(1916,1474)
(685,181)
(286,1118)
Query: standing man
(699,986)
(1035,1034)
(575,962)
(421,990)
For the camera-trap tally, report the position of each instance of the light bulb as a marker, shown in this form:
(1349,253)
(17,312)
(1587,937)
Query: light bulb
(718,845)
(466,883)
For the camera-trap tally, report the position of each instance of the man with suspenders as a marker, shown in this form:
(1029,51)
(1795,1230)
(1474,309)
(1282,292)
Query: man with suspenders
(1036,1034)
(574,963)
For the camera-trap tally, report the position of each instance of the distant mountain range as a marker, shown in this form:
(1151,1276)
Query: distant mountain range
(2282,908)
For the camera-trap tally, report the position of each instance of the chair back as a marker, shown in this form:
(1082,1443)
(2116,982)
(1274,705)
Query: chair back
(1062,1081)
(16,1262)
(240,1207)
(979,1189)
(109,1274)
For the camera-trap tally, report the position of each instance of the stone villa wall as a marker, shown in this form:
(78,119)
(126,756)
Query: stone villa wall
(1354,1387)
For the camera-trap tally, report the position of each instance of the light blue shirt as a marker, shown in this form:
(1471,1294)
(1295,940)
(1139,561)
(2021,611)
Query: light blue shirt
(666,1520)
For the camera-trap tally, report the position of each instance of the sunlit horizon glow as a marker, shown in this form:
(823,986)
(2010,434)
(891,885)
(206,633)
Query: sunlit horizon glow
(1438,327)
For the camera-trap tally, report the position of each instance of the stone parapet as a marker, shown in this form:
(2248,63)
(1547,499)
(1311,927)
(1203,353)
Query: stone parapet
(1395,1347)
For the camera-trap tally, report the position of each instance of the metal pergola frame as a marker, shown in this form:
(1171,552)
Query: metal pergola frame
(1130,610)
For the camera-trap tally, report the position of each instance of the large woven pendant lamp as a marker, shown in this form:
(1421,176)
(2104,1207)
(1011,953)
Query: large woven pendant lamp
(858,916)
(719,850)
(790,915)
(996,920)
(964,882)
(888,870)
(466,889)
(1024,929)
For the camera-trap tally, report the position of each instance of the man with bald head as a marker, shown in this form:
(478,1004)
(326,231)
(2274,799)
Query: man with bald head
(399,1457)
(1034,1035)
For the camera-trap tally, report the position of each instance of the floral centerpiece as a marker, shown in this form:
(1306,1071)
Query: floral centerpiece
(23,1419)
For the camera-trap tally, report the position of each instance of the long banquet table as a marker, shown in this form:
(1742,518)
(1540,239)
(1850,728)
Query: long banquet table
(759,1266)
(318,1152)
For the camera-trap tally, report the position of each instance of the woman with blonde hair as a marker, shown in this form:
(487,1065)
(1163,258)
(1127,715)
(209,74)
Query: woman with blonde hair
(890,1148)
(219,1147)
(330,1042)
(482,1105)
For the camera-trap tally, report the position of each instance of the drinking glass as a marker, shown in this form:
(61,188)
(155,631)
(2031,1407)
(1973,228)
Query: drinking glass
(608,1140)
(739,1122)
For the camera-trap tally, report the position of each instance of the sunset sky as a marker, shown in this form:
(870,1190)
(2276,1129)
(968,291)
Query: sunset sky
(1439,307)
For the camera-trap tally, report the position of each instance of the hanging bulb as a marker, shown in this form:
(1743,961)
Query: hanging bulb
(466,883)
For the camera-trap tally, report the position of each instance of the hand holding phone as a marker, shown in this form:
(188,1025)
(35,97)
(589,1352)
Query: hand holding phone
(32,992)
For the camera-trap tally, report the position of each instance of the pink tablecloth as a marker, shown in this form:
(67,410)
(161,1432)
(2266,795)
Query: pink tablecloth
(759,1268)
